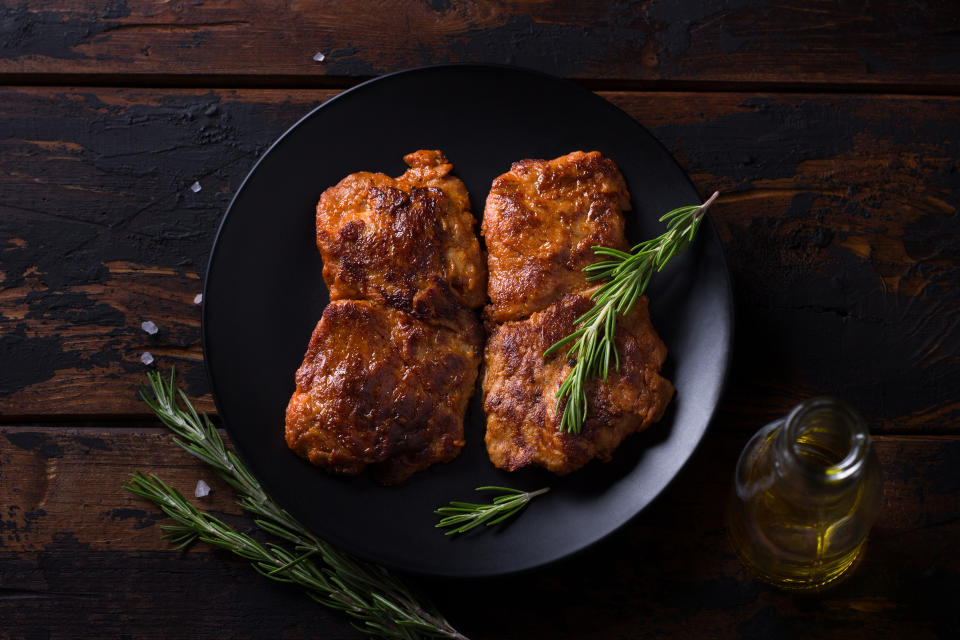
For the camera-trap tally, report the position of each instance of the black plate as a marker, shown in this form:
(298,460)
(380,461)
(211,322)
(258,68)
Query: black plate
(264,293)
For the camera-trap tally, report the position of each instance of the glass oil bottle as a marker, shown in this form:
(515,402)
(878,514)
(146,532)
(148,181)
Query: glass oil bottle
(806,492)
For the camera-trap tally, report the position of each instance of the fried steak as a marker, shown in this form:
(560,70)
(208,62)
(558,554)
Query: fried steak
(381,387)
(393,361)
(540,222)
(408,242)
(523,426)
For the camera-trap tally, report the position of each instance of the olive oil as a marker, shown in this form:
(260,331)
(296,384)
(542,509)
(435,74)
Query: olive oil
(806,493)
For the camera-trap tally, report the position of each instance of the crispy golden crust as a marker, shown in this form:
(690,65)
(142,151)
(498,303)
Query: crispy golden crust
(407,241)
(393,361)
(380,387)
(523,426)
(541,220)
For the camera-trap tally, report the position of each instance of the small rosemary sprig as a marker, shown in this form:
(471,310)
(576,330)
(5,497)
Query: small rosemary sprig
(470,514)
(627,275)
(383,606)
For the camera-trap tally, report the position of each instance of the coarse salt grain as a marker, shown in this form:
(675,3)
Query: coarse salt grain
(195,187)
(197,299)
(149,327)
(319,57)
(202,489)
(146,358)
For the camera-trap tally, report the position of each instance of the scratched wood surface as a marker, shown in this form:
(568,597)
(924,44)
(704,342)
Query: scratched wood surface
(831,127)
(839,223)
(650,42)
(81,558)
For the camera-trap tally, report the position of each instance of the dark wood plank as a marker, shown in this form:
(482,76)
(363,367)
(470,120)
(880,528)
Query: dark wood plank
(839,222)
(840,225)
(101,231)
(81,558)
(656,43)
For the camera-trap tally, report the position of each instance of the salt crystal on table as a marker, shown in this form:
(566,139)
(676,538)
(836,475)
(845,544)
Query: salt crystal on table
(149,327)
(197,299)
(195,187)
(319,57)
(146,358)
(202,489)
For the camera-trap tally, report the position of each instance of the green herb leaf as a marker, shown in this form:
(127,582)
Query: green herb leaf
(627,276)
(380,603)
(464,516)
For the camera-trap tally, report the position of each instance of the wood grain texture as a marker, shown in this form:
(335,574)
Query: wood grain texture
(81,558)
(794,42)
(101,231)
(839,221)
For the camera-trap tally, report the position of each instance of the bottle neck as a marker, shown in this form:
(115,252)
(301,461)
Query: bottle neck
(825,442)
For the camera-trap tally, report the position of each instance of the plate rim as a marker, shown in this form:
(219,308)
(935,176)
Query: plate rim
(728,291)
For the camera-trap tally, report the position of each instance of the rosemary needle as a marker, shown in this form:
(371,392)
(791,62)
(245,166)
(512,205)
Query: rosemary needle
(467,515)
(378,601)
(627,275)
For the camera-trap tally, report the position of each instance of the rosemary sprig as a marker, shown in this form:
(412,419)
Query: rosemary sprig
(383,606)
(469,514)
(627,275)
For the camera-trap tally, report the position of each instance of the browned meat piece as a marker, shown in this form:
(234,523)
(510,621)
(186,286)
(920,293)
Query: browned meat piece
(393,362)
(523,426)
(380,387)
(408,241)
(541,220)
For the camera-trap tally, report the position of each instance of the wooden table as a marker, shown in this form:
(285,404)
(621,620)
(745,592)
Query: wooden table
(832,128)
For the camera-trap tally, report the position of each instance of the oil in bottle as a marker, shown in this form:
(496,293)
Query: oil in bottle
(806,492)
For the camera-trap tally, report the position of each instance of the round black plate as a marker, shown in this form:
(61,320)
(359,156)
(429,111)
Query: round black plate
(264,293)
